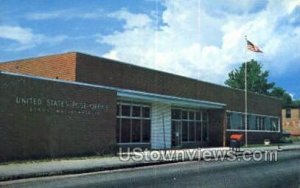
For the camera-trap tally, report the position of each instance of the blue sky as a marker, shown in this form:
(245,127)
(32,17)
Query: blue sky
(203,39)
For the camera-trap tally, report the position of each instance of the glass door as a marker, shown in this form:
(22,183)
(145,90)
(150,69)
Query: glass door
(176,133)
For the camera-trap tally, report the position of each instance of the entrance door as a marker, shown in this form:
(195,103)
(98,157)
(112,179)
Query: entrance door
(176,133)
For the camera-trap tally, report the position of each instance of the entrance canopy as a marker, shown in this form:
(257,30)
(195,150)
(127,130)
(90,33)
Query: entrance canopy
(178,101)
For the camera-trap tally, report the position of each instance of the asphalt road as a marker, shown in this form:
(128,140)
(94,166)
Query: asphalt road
(283,173)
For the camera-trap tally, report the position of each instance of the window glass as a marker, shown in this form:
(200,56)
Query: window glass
(191,115)
(274,124)
(255,122)
(252,122)
(248,122)
(176,114)
(204,116)
(288,113)
(125,130)
(146,112)
(125,110)
(136,111)
(190,121)
(184,115)
(136,130)
(205,129)
(146,130)
(228,120)
(184,131)
(268,124)
(262,123)
(242,124)
(198,115)
(134,123)
(198,131)
(235,121)
(191,131)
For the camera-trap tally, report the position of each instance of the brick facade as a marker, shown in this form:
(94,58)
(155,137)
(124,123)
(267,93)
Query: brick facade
(52,66)
(291,124)
(45,119)
(30,132)
(91,69)
(80,67)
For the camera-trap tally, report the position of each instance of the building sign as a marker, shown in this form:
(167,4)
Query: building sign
(71,107)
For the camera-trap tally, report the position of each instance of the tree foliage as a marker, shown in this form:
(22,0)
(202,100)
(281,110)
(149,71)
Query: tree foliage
(283,95)
(296,103)
(257,79)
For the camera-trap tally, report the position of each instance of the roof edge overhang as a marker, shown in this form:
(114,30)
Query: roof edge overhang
(177,101)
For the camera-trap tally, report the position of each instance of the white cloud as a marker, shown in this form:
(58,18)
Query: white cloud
(292,96)
(65,14)
(19,34)
(198,41)
(25,38)
(291,5)
(132,20)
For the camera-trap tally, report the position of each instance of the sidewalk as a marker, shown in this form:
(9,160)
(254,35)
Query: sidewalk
(12,171)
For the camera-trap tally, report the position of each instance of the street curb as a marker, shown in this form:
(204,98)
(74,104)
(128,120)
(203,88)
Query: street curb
(113,167)
(79,171)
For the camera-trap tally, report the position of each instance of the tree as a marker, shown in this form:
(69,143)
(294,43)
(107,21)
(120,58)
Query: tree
(258,82)
(296,103)
(283,95)
(257,79)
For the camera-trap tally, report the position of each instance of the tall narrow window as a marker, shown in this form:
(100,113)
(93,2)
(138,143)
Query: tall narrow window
(146,130)
(205,131)
(184,131)
(288,113)
(125,130)
(192,131)
(228,116)
(274,124)
(136,130)
(198,131)
(262,123)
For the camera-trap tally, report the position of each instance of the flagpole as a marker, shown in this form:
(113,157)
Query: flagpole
(246,100)
(253,48)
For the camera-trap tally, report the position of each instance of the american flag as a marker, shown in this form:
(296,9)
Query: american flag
(252,47)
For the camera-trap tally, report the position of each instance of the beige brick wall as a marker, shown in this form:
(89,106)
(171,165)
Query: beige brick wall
(292,124)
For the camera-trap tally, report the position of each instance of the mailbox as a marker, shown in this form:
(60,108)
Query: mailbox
(235,141)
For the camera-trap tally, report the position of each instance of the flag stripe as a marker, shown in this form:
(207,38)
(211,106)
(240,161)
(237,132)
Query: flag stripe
(252,47)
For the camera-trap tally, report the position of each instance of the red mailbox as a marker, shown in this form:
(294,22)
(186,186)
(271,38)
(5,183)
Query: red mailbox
(237,137)
(235,141)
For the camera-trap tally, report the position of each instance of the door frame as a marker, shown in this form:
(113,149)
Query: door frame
(179,128)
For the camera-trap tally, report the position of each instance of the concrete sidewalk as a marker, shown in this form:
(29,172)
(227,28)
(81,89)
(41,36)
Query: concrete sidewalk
(12,171)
